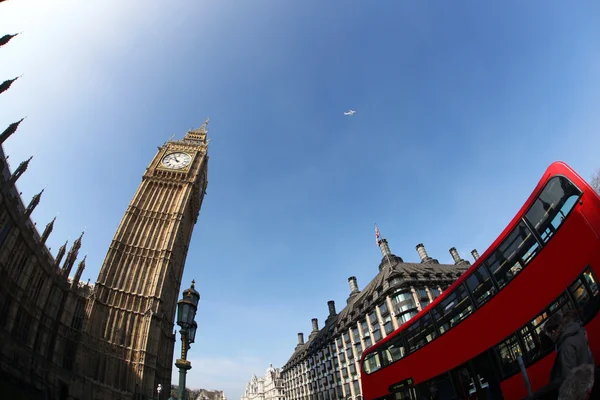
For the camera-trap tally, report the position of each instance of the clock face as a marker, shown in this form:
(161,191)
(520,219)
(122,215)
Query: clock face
(177,160)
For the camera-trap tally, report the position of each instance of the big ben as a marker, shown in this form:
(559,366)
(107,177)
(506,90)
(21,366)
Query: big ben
(130,338)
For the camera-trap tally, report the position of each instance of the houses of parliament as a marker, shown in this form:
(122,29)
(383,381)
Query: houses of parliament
(64,339)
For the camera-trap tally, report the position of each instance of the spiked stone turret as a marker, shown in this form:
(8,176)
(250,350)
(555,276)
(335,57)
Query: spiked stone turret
(71,257)
(47,231)
(35,200)
(60,255)
(80,269)
(12,128)
(19,171)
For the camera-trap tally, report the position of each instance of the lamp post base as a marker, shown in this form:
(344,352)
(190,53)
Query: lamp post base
(184,366)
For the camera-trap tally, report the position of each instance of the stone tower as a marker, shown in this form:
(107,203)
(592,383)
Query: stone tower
(131,315)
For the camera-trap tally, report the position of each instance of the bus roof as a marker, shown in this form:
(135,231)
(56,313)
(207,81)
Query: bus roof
(556,168)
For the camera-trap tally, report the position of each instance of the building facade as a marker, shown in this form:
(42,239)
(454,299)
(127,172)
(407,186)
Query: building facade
(270,387)
(63,339)
(114,339)
(326,365)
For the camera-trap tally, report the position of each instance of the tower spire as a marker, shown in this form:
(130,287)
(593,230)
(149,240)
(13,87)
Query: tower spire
(6,38)
(35,200)
(6,84)
(12,128)
(71,256)
(198,136)
(48,230)
(19,171)
(80,268)
(60,254)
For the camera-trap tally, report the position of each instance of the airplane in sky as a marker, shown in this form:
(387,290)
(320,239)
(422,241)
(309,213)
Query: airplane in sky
(351,112)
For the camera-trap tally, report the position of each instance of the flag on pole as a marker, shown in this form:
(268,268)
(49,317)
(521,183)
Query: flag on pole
(6,38)
(377,235)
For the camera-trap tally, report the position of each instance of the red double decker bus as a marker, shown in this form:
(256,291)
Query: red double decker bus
(482,338)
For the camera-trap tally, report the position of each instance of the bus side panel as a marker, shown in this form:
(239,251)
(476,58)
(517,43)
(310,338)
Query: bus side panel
(539,375)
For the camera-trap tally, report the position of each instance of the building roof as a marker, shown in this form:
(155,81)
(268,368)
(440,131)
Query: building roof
(363,302)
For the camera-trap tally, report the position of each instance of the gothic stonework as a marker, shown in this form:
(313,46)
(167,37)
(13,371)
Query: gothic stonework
(63,339)
(131,314)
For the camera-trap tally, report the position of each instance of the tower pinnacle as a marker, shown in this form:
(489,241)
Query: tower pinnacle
(48,230)
(35,200)
(198,136)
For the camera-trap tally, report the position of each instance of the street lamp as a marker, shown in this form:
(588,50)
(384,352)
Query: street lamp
(159,389)
(186,311)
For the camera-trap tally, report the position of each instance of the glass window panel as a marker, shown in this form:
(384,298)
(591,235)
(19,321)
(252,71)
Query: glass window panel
(377,335)
(453,309)
(508,351)
(435,292)
(388,327)
(481,285)
(346,337)
(372,363)
(420,333)
(394,350)
(516,251)
(355,335)
(551,207)
(383,309)
(405,317)
(585,293)
(537,344)
(373,318)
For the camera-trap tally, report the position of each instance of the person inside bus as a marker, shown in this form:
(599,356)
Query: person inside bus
(572,348)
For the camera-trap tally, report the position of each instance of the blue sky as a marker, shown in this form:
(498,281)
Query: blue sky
(460,108)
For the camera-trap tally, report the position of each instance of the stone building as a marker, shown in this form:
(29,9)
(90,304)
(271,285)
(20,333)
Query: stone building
(41,308)
(268,388)
(62,339)
(325,366)
(112,340)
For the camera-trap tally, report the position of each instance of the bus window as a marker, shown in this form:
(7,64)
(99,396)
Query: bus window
(439,387)
(464,382)
(372,363)
(480,284)
(507,352)
(516,251)
(552,206)
(420,333)
(585,293)
(537,344)
(453,309)
(395,349)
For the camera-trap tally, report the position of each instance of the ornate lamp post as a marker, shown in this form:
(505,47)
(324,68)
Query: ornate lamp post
(186,312)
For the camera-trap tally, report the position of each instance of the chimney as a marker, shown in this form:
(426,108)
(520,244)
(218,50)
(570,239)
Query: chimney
(331,305)
(475,254)
(384,247)
(422,252)
(455,255)
(353,285)
(315,325)
(300,338)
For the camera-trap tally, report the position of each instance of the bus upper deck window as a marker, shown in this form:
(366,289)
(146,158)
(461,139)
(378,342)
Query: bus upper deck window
(372,362)
(552,206)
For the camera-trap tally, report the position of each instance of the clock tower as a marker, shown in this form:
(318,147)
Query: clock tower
(130,341)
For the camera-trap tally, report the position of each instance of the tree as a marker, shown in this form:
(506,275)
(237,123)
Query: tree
(595,182)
